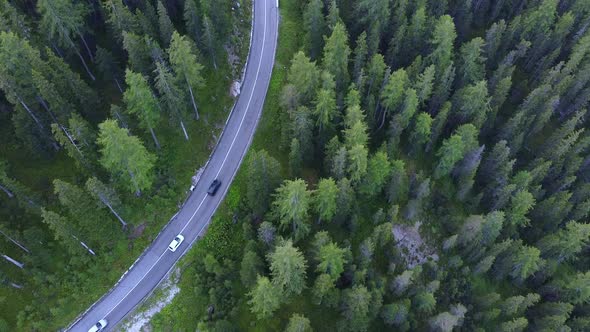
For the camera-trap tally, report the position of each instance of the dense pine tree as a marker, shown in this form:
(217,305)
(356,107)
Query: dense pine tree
(125,157)
(436,152)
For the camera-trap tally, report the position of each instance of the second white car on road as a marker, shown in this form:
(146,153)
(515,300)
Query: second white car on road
(176,243)
(99,326)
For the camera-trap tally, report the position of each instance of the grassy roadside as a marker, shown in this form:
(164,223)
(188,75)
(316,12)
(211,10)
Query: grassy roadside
(224,238)
(290,36)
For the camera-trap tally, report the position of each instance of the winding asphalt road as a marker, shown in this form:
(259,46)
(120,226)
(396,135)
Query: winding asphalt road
(192,220)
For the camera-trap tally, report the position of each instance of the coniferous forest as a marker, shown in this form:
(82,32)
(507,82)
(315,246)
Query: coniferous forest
(107,109)
(419,166)
(433,174)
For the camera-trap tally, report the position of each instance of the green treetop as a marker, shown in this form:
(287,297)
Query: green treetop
(325,199)
(356,303)
(165,24)
(62,19)
(141,102)
(298,323)
(287,267)
(472,61)
(291,207)
(305,77)
(378,171)
(336,54)
(449,154)
(443,39)
(184,62)
(263,178)
(171,94)
(315,27)
(125,157)
(265,298)
(331,260)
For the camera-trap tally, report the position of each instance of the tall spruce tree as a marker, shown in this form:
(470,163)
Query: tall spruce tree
(184,62)
(291,207)
(141,102)
(61,20)
(125,157)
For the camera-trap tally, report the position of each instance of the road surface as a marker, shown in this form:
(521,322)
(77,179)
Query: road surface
(196,213)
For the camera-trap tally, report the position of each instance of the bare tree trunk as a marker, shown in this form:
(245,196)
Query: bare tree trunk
(85,66)
(137,190)
(106,202)
(378,99)
(44,104)
(183,129)
(120,119)
(377,110)
(30,201)
(15,242)
(476,4)
(178,112)
(358,80)
(14,261)
(213,56)
(41,127)
(155,138)
(65,131)
(118,85)
(71,140)
(26,107)
(57,50)
(13,285)
(86,46)
(369,88)
(190,89)
(85,246)
(82,59)
(8,192)
(383,119)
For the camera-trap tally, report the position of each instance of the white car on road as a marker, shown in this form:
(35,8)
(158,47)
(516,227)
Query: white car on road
(99,326)
(176,243)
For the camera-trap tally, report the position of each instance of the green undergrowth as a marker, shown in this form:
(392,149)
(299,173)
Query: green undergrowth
(224,238)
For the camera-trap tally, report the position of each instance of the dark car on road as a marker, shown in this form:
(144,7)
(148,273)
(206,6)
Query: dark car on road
(214,187)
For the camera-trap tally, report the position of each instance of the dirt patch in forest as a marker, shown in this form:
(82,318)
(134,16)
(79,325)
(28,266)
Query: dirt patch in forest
(137,231)
(164,294)
(412,246)
(233,59)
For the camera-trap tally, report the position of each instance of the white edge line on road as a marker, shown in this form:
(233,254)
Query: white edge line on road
(242,79)
(251,94)
(220,168)
(191,218)
(132,288)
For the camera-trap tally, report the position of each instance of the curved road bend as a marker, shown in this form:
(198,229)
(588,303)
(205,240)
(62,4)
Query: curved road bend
(195,215)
